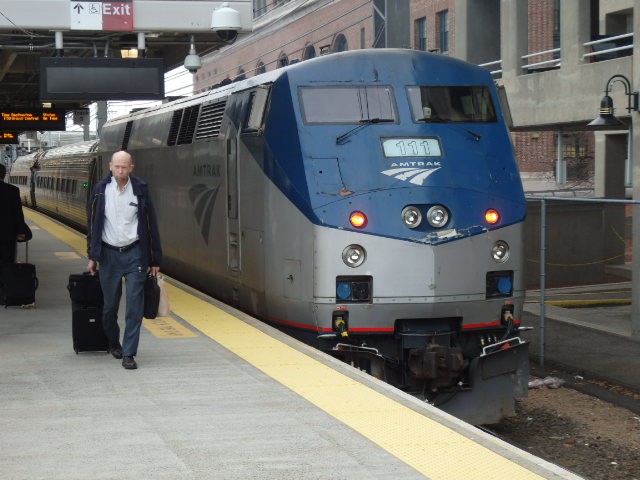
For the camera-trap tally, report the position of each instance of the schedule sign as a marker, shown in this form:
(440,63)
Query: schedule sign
(20,119)
(8,138)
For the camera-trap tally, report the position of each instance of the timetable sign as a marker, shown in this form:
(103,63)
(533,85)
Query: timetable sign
(19,119)
(8,138)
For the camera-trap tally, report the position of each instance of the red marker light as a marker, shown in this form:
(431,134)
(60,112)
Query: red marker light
(492,216)
(358,219)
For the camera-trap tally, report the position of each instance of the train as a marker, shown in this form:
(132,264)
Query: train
(366,202)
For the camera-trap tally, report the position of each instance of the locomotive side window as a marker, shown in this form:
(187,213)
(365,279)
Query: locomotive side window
(257,106)
(451,104)
(347,104)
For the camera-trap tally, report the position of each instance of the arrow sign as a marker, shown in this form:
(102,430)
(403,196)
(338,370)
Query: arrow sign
(85,15)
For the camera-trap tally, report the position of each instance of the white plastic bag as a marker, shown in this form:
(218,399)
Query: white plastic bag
(164,308)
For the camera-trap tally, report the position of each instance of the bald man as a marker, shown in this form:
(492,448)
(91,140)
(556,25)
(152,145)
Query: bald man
(123,242)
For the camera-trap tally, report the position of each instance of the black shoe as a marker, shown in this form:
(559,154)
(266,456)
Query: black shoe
(116,350)
(129,363)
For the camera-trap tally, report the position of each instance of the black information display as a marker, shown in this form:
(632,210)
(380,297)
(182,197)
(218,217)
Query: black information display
(20,119)
(8,138)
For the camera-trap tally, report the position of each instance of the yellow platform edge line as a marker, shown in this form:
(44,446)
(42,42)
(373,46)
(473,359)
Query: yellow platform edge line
(429,447)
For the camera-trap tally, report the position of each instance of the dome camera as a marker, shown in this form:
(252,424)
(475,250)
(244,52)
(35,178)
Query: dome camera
(226,22)
(192,62)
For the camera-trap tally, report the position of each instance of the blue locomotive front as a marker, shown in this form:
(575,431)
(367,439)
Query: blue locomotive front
(402,167)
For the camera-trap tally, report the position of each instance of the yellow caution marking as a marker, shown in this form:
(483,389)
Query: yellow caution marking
(67,255)
(61,232)
(431,448)
(167,327)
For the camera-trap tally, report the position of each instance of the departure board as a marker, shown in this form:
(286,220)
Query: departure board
(20,119)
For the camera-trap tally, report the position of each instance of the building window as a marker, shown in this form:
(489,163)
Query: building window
(420,31)
(260,68)
(308,52)
(442,31)
(340,44)
(259,8)
(283,60)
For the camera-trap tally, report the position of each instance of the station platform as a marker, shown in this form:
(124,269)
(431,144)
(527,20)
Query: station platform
(217,395)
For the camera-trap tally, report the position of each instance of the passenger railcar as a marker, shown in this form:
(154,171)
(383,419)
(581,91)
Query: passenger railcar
(367,202)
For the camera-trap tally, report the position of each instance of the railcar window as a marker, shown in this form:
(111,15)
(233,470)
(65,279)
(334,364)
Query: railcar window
(347,104)
(451,104)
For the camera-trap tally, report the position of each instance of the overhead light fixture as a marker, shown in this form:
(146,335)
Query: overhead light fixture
(129,52)
(606,119)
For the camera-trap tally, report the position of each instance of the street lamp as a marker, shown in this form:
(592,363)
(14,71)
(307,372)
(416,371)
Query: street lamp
(606,118)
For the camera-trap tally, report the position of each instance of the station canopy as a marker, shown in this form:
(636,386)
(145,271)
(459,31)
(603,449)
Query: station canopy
(35,29)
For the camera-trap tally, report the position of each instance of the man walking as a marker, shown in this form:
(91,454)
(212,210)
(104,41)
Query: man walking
(124,241)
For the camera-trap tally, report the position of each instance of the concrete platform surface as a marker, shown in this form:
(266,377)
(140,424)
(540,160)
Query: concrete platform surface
(217,395)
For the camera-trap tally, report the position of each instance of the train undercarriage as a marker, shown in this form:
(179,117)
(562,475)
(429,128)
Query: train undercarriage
(473,374)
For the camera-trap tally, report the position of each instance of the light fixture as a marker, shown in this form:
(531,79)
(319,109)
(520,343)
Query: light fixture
(132,46)
(606,118)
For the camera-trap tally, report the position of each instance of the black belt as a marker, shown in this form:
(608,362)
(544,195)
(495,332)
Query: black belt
(121,249)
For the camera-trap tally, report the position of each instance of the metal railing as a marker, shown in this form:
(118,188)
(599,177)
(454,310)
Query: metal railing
(591,53)
(543,249)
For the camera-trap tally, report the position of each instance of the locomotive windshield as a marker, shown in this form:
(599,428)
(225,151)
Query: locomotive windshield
(338,104)
(451,104)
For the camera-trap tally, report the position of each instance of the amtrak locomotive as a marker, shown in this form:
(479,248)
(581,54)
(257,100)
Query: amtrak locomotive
(367,202)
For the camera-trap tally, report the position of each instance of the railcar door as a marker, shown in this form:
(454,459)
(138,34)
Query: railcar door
(95,174)
(233,223)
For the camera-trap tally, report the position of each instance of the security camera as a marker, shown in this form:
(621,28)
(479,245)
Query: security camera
(226,22)
(192,62)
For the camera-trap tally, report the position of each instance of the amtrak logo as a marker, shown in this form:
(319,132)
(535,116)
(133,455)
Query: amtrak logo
(417,176)
(203,200)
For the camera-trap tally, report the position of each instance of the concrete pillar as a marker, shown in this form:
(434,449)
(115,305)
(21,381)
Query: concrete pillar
(610,156)
(477,33)
(635,159)
(575,29)
(101,116)
(514,43)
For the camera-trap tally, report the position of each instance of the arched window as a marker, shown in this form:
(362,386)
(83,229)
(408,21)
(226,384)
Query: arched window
(283,60)
(308,52)
(340,44)
(260,68)
(241,75)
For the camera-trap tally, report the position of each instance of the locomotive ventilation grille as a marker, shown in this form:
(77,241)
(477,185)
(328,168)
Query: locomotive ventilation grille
(183,124)
(210,120)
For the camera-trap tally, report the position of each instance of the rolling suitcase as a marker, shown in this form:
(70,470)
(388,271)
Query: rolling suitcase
(19,282)
(86,313)
(85,289)
(86,328)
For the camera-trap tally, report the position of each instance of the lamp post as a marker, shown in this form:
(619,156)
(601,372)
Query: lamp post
(607,121)
(606,118)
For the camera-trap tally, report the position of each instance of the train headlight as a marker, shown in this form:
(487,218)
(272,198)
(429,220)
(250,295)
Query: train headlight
(358,219)
(411,216)
(354,255)
(500,251)
(492,216)
(437,216)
